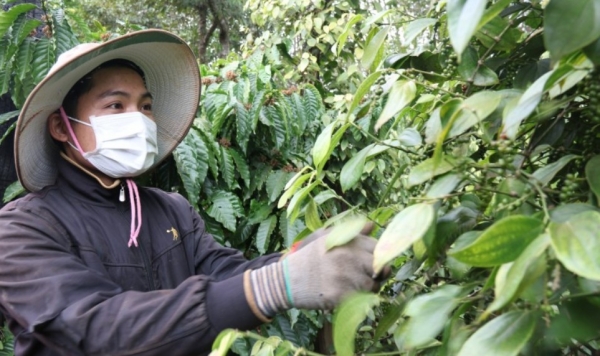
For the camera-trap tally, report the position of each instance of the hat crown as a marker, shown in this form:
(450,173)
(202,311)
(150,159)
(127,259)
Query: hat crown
(71,54)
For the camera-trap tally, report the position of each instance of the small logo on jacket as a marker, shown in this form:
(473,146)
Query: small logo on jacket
(175,233)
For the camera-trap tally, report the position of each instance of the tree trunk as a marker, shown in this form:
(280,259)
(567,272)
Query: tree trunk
(203,35)
(223,29)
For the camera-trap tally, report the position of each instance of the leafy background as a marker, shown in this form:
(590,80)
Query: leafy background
(467,130)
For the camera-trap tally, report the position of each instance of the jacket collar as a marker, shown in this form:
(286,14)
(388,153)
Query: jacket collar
(79,182)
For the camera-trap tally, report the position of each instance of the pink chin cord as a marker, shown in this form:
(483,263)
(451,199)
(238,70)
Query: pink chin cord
(134,195)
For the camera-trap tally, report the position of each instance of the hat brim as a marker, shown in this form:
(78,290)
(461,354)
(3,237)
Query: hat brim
(172,77)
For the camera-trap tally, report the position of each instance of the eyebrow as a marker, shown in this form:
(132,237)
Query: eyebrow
(121,93)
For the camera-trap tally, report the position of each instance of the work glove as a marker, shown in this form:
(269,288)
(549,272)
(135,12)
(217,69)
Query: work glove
(312,277)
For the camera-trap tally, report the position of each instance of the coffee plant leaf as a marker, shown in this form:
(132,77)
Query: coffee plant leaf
(506,335)
(463,19)
(345,231)
(501,243)
(407,227)
(576,244)
(346,319)
(570,25)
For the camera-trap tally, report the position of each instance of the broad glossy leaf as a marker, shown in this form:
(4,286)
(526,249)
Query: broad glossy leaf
(500,243)
(444,186)
(275,183)
(311,216)
(518,272)
(526,105)
(410,137)
(577,245)
(414,28)
(473,110)
(545,174)
(568,74)
(191,159)
(362,90)
(375,45)
(463,19)
(401,94)
(407,227)
(353,169)
(428,169)
(346,319)
(505,335)
(344,36)
(289,231)
(470,69)
(265,229)
(7,18)
(321,147)
(345,231)
(570,25)
(295,204)
(592,174)
(427,315)
(493,11)
(433,127)
(9,115)
(564,212)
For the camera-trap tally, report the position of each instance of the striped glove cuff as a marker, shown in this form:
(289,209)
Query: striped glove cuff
(266,290)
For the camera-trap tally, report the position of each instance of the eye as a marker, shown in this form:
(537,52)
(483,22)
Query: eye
(147,107)
(116,106)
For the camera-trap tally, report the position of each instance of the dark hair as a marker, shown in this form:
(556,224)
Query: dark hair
(85,84)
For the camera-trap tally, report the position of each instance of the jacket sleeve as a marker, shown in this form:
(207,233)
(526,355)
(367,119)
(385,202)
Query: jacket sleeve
(57,299)
(218,261)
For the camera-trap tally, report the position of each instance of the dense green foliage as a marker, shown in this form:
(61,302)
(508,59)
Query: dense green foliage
(465,129)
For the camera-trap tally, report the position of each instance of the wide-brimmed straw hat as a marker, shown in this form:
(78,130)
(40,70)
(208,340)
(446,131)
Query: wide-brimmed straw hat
(171,75)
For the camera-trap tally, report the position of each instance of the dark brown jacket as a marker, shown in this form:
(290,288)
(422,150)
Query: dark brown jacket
(70,285)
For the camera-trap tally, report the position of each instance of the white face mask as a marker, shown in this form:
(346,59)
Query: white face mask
(126,144)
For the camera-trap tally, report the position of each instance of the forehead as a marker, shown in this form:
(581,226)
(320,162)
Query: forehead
(117,78)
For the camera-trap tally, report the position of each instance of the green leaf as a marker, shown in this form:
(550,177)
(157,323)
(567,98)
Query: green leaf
(353,169)
(8,115)
(345,231)
(244,125)
(362,90)
(414,28)
(443,186)
(311,216)
(518,274)
(190,159)
(473,110)
(407,227)
(265,229)
(428,169)
(8,18)
(293,209)
(570,25)
(592,174)
(493,11)
(427,314)
(241,165)
(401,94)
(275,183)
(313,103)
(289,230)
(227,167)
(346,319)
(576,244)
(501,243)
(544,175)
(224,341)
(43,58)
(564,212)
(463,20)
(292,186)
(410,137)
(344,35)
(526,105)
(64,37)
(225,208)
(471,70)
(24,57)
(13,191)
(506,335)
(8,132)
(371,58)
(321,147)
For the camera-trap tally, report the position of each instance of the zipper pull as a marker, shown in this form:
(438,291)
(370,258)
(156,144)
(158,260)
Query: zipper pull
(122,194)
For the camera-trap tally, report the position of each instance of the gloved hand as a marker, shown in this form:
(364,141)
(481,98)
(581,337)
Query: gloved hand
(312,277)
